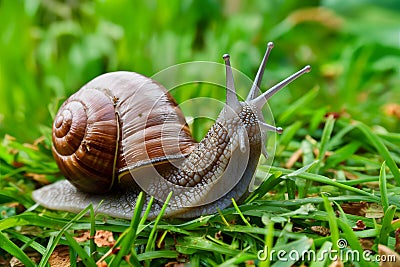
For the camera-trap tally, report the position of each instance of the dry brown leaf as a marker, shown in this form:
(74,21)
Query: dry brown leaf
(41,178)
(367,243)
(350,176)
(8,137)
(31,146)
(101,264)
(39,140)
(34,256)
(60,257)
(374,211)
(104,238)
(392,109)
(294,158)
(84,236)
(347,174)
(397,236)
(175,264)
(355,208)
(373,185)
(16,164)
(320,230)
(250,263)
(360,225)
(320,15)
(34,145)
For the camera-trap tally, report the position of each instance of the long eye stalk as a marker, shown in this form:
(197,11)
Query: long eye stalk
(262,99)
(260,73)
(253,99)
(231,97)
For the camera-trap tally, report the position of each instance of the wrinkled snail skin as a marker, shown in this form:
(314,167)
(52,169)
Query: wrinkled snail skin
(147,146)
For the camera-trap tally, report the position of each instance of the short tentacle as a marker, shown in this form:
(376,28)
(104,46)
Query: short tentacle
(242,139)
(266,127)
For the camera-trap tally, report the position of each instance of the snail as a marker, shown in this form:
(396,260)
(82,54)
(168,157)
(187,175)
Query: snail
(123,133)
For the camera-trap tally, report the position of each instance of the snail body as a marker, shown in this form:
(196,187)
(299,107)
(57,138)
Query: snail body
(123,133)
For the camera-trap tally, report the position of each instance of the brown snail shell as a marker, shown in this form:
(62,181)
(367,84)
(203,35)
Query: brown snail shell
(88,127)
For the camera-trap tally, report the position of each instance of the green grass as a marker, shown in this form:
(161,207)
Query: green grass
(336,163)
(233,236)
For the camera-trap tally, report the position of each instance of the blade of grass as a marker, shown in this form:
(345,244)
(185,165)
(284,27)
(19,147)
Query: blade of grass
(288,135)
(325,180)
(324,145)
(240,212)
(338,138)
(298,105)
(387,225)
(127,239)
(53,242)
(308,158)
(332,223)
(354,244)
(265,187)
(284,205)
(73,257)
(381,148)
(151,255)
(241,257)
(14,250)
(341,154)
(269,243)
(223,218)
(29,242)
(383,188)
(302,170)
(284,235)
(189,244)
(161,239)
(42,220)
(292,249)
(318,116)
(352,240)
(321,255)
(151,240)
(84,256)
(92,231)
(291,188)
(147,211)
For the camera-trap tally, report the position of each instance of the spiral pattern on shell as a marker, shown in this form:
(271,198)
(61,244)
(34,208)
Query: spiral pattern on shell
(85,141)
(116,123)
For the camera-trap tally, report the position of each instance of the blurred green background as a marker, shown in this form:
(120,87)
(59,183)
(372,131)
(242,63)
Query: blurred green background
(49,49)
